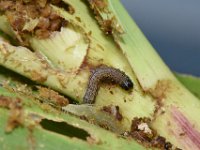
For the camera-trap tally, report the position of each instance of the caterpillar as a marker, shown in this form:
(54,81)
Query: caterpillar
(105,74)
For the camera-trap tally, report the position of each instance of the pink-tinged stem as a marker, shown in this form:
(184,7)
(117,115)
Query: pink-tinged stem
(187,128)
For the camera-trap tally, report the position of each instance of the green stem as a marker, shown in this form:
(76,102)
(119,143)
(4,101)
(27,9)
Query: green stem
(146,63)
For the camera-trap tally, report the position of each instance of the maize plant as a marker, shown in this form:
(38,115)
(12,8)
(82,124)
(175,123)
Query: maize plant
(79,74)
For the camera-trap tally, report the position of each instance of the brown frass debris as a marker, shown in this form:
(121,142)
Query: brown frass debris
(109,24)
(161,88)
(34,17)
(52,97)
(5,102)
(143,133)
(16,115)
(100,4)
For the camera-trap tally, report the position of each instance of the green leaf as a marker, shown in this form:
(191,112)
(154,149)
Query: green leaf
(190,82)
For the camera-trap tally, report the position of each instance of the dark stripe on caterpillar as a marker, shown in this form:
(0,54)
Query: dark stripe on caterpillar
(105,74)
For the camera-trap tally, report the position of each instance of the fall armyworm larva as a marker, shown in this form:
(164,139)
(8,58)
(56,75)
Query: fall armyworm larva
(105,74)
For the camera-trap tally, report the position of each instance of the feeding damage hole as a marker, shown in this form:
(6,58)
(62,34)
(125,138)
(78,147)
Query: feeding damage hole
(64,129)
(114,111)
